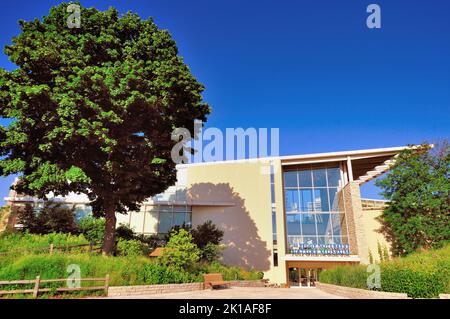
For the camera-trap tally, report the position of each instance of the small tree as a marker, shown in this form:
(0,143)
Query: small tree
(418,187)
(207,233)
(53,217)
(180,252)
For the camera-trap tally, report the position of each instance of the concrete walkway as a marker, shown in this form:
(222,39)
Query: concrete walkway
(241,293)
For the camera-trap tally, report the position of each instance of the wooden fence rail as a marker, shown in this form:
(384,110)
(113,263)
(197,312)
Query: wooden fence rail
(37,282)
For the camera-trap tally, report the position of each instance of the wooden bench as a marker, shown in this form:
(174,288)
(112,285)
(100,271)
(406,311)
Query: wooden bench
(214,280)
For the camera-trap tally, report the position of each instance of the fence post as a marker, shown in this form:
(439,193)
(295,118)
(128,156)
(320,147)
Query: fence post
(90,247)
(36,286)
(51,249)
(106,284)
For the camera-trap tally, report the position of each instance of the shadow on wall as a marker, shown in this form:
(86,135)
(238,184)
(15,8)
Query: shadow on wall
(244,245)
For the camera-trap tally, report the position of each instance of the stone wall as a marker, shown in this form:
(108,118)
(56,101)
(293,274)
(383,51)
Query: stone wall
(355,293)
(354,216)
(153,289)
(170,288)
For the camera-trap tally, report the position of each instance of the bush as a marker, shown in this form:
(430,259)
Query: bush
(348,276)
(180,252)
(211,252)
(131,248)
(124,232)
(420,275)
(92,228)
(206,233)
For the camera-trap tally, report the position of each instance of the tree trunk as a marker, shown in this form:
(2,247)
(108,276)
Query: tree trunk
(109,240)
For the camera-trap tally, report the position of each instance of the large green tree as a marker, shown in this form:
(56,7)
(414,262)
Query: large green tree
(93,109)
(418,187)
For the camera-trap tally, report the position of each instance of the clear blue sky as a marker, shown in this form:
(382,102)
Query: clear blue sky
(311,68)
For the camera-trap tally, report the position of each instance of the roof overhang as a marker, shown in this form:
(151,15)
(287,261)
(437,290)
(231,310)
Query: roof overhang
(365,164)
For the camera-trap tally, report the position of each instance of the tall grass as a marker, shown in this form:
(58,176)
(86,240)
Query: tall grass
(25,242)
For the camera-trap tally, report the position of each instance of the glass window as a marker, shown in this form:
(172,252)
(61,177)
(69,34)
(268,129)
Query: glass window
(308,224)
(310,240)
(290,179)
(323,240)
(151,220)
(312,206)
(179,219)
(165,222)
(306,200)
(320,179)
(179,209)
(323,225)
(304,178)
(333,176)
(321,200)
(292,204)
(293,224)
(274,222)
(339,225)
(334,203)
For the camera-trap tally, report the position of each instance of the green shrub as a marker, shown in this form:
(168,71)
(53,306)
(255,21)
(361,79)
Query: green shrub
(207,233)
(125,232)
(92,228)
(420,275)
(131,248)
(180,252)
(154,273)
(211,252)
(348,276)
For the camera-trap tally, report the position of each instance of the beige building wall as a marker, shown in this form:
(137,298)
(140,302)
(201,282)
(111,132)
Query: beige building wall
(372,226)
(236,197)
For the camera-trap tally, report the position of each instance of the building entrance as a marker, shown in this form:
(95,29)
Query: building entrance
(303,277)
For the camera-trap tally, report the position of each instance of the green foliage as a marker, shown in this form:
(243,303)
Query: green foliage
(122,270)
(180,252)
(16,242)
(53,217)
(125,232)
(130,269)
(420,275)
(211,252)
(418,187)
(94,108)
(131,248)
(348,276)
(155,273)
(207,233)
(92,228)
(174,230)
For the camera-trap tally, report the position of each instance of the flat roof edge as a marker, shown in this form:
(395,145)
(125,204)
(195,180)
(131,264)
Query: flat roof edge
(373,151)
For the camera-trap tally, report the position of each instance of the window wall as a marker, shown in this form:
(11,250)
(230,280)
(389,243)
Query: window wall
(313,215)
(157,219)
